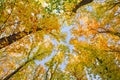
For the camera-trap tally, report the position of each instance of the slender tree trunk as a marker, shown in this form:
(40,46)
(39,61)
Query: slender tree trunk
(14,72)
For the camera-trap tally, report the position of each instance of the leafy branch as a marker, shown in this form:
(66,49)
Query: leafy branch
(2,26)
(5,41)
(21,66)
(103,30)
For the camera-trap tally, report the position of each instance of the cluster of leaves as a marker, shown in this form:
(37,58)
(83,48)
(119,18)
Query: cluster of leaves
(34,47)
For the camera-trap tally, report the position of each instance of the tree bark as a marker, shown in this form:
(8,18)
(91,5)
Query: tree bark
(82,3)
(5,41)
(20,67)
(14,72)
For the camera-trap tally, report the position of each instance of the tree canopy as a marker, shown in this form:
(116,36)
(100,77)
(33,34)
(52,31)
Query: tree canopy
(59,39)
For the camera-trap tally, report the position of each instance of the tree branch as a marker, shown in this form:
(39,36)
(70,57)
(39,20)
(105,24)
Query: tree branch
(46,76)
(82,3)
(113,5)
(20,67)
(5,41)
(112,50)
(14,72)
(111,32)
(104,30)
(52,74)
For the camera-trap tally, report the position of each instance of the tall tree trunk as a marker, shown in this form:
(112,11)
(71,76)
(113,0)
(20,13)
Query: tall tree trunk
(5,41)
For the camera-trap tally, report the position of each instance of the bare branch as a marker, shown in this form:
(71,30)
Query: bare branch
(82,3)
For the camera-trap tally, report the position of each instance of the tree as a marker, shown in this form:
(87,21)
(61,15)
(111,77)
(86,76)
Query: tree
(59,39)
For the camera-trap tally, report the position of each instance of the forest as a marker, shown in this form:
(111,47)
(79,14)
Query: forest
(59,39)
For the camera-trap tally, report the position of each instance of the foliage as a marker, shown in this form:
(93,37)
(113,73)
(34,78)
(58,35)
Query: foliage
(59,39)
